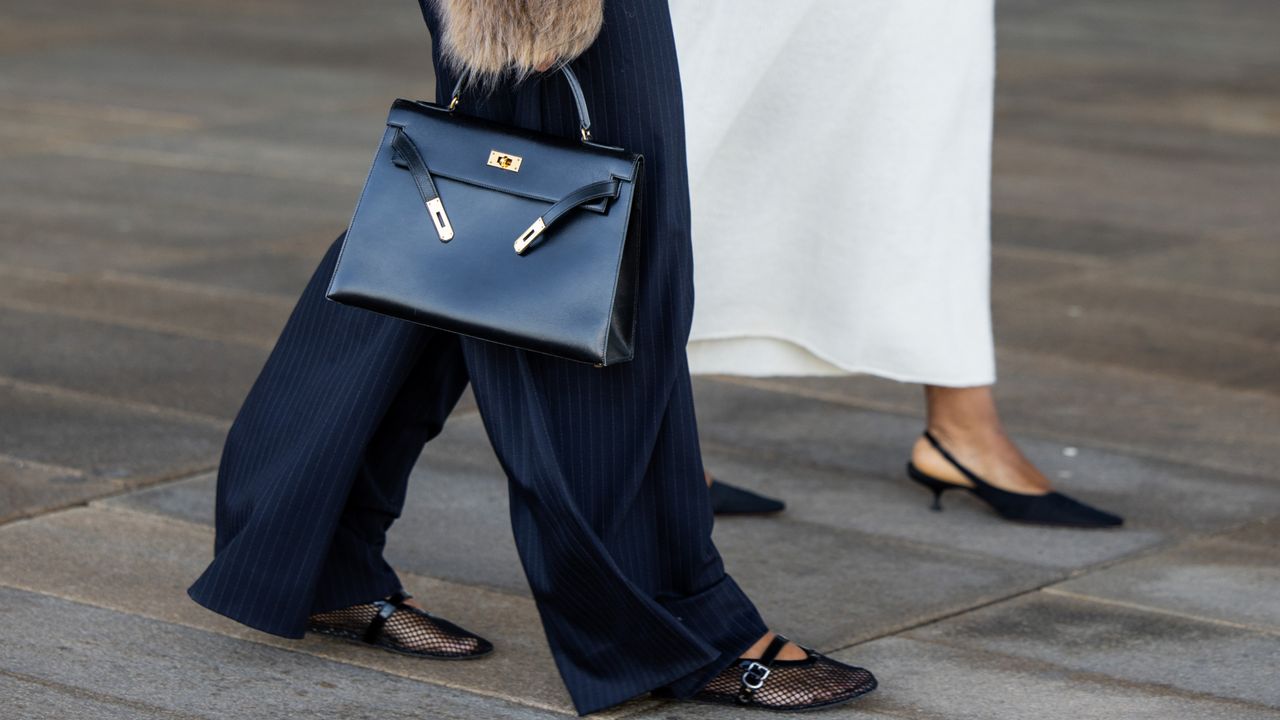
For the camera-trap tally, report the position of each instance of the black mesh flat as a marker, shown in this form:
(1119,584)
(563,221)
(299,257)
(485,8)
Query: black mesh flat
(787,685)
(393,625)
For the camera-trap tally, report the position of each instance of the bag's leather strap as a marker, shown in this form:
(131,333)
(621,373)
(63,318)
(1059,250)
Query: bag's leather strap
(406,153)
(575,88)
(584,194)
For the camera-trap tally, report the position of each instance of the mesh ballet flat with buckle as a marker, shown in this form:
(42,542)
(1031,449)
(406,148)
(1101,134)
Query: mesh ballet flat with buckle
(768,683)
(394,625)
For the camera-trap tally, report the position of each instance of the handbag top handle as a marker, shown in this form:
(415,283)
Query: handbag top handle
(579,100)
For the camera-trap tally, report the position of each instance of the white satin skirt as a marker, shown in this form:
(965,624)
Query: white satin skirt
(840,165)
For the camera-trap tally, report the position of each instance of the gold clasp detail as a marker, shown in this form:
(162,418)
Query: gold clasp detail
(504,161)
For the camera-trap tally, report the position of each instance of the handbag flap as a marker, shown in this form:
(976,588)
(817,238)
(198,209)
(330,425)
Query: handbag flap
(507,159)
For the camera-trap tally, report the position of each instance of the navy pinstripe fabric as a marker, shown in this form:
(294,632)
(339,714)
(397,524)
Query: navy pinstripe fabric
(607,504)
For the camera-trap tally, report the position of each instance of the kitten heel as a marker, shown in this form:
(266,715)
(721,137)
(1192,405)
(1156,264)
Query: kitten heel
(936,486)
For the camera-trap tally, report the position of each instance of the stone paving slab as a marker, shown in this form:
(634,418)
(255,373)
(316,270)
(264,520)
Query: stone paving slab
(177,158)
(122,73)
(1125,643)
(455,524)
(1079,239)
(1233,577)
(27,488)
(170,307)
(894,507)
(793,430)
(190,499)
(189,211)
(1240,265)
(1189,422)
(141,564)
(162,670)
(31,698)
(332,147)
(28,128)
(194,375)
(68,449)
(830,588)
(278,274)
(1014,272)
(1251,321)
(1158,346)
(930,681)
(831,584)
(1031,176)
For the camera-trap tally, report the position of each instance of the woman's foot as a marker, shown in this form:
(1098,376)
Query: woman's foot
(400,625)
(966,422)
(966,447)
(776,674)
(1051,508)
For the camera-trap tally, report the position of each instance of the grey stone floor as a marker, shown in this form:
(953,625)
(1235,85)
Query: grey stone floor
(171,172)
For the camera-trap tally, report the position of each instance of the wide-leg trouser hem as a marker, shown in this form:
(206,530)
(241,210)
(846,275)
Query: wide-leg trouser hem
(385,586)
(725,619)
(706,632)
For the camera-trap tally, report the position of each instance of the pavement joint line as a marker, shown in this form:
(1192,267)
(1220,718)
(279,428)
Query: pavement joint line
(148,408)
(1055,436)
(271,640)
(1144,374)
(1156,548)
(942,617)
(104,112)
(1207,336)
(97,696)
(48,467)
(158,283)
(1123,276)
(1129,605)
(1152,688)
(115,488)
(1051,360)
(1022,252)
(194,162)
(216,291)
(738,452)
(287,645)
(945,550)
(145,325)
(98,503)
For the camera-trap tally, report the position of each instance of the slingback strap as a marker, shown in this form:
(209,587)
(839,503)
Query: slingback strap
(407,156)
(755,672)
(386,608)
(584,194)
(977,481)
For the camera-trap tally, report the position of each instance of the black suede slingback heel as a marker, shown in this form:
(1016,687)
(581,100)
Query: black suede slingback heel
(1051,508)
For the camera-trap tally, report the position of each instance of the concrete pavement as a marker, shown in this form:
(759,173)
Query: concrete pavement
(172,172)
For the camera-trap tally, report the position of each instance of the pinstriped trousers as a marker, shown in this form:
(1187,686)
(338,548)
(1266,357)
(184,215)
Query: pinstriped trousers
(608,507)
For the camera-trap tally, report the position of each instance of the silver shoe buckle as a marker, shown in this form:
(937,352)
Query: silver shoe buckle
(754,676)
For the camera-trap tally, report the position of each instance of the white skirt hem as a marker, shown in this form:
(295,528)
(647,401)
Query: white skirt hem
(751,355)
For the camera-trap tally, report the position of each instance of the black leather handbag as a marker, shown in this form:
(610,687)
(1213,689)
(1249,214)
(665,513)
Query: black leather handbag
(502,234)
